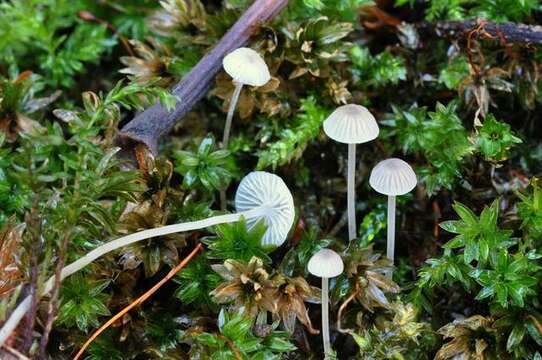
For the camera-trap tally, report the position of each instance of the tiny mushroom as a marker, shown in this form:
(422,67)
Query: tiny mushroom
(246,67)
(261,196)
(326,264)
(351,124)
(392,177)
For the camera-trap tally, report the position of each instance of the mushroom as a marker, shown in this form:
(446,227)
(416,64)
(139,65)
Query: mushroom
(326,264)
(261,196)
(246,67)
(351,124)
(392,177)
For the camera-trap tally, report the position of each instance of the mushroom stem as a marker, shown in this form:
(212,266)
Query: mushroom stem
(231,110)
(77,265)
(227,128)
(351,183)
(390,251)
(325,317)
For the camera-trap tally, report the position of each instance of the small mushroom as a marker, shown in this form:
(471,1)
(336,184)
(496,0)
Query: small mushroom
(326,264)
(261,196)
(392,177)
(351,124)
(246,67)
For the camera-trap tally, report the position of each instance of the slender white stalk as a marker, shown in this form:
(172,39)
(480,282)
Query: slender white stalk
(227,128)
(325,317)
(77,265)
(231,110)
(351,184)
(390,251)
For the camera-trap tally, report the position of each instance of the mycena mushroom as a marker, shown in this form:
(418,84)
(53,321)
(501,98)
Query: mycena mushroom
(325,264)
(246,67)
(351,124)
(261,196)
(392,177)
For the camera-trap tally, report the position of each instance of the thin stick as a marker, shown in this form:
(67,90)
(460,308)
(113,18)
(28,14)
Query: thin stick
(325,316)
(343,306)
(351,184)
(139,300)
(507,32)
(390,251)
(77,265)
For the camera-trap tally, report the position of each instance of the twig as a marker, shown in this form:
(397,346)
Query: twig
(507,32)
(343,306)
(139,300)
(151,124)
(504,32)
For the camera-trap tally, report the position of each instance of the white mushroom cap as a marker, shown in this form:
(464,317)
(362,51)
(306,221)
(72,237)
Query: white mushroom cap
(326,263)
(393,177)
(246,66)
(260,188)
(351,124)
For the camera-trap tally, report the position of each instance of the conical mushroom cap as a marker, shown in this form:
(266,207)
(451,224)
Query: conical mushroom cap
(351,124)
(393,177)
(260,188)
(246,66)
(326,263)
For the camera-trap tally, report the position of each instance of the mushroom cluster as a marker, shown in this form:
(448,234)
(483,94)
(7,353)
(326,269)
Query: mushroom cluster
(264,197)
(353,124)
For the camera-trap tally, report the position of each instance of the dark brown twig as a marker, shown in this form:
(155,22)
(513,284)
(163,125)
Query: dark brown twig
(147,127)
(505,32)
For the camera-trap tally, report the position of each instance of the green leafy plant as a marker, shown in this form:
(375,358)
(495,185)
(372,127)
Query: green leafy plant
(510,279)
(380,70)
(236,339)
(530,211)
(236,241)
(204,167)
(196,282)
(428,134)
(292,141)
(477,234)
(33,27)
(495,139)
(83,303)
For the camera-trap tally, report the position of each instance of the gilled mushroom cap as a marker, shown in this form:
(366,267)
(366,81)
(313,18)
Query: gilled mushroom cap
(351,124)
(326,263)
(393,177)
(260,188)
(246,66)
